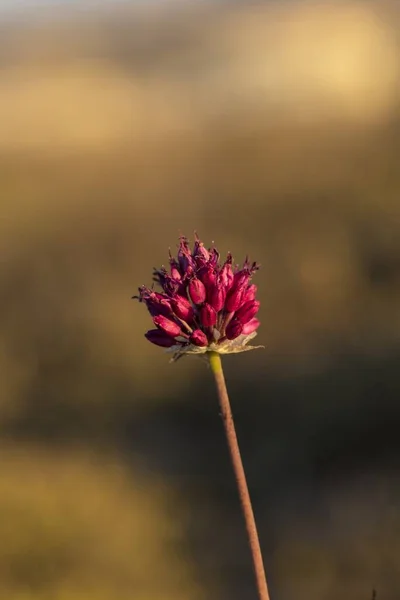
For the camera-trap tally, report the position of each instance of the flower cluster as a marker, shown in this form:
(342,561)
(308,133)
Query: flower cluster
(204,306)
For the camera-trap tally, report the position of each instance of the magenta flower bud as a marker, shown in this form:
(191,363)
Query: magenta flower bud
(197,291)
(200,254)
(182,308)
(214,257)
(241,279)
(189,273)
(207,275)
(168,284)
(235,295)
(234,329)
(199,338)
(158,307)
(216,296)
(169,327)
(175,272)
(185,259)
(226,275)
(250,327)
(234,300)
(157,304)
(208,316)
(159,338)
(247,311)
(250,293)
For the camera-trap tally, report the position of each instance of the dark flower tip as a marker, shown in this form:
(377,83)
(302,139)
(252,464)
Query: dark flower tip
(203,304)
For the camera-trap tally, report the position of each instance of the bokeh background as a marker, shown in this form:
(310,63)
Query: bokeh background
(274,129)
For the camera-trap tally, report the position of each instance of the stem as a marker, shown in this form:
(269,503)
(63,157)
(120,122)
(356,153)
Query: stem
(226,412)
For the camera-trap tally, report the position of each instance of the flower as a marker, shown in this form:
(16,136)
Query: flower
(203,306)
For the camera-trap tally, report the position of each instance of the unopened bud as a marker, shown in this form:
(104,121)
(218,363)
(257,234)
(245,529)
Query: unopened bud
(199,251)
(182,308)
(184,255)
(250,293)
(226,276)
(169,327)
(199,338)
(208,276)
(216,296)
(251,326)
(175,272)
(159,338)
(234,329)
(235,295)
(197,291)
(247,311)
(208,316)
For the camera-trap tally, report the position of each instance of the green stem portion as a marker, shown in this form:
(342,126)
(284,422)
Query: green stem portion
(227,417)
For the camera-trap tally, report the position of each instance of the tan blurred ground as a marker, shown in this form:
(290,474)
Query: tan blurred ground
(273,130)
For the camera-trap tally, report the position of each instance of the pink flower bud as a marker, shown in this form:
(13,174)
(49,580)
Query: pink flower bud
(208,316)
(241,279)
(197,291)
(182,308)
(199,338)
(235,295)
(199,252)
(234,329)
(159,338)
(207,275)
(184,255)
(214,257)
(175,272)
(250,293)
(216,296)
(250,326)
(157,304)
(247,311)
(168,283)
(226,275)
(234,300)
(167,326)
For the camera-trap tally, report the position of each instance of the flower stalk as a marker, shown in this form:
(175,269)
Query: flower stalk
(207,306)
(227,417)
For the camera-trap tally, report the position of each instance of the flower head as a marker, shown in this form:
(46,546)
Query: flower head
(204,305)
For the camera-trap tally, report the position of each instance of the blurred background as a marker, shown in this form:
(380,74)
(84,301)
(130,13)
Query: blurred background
(272,128)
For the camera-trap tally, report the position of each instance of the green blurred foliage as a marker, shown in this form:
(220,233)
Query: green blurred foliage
(275,132)
(73,526)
